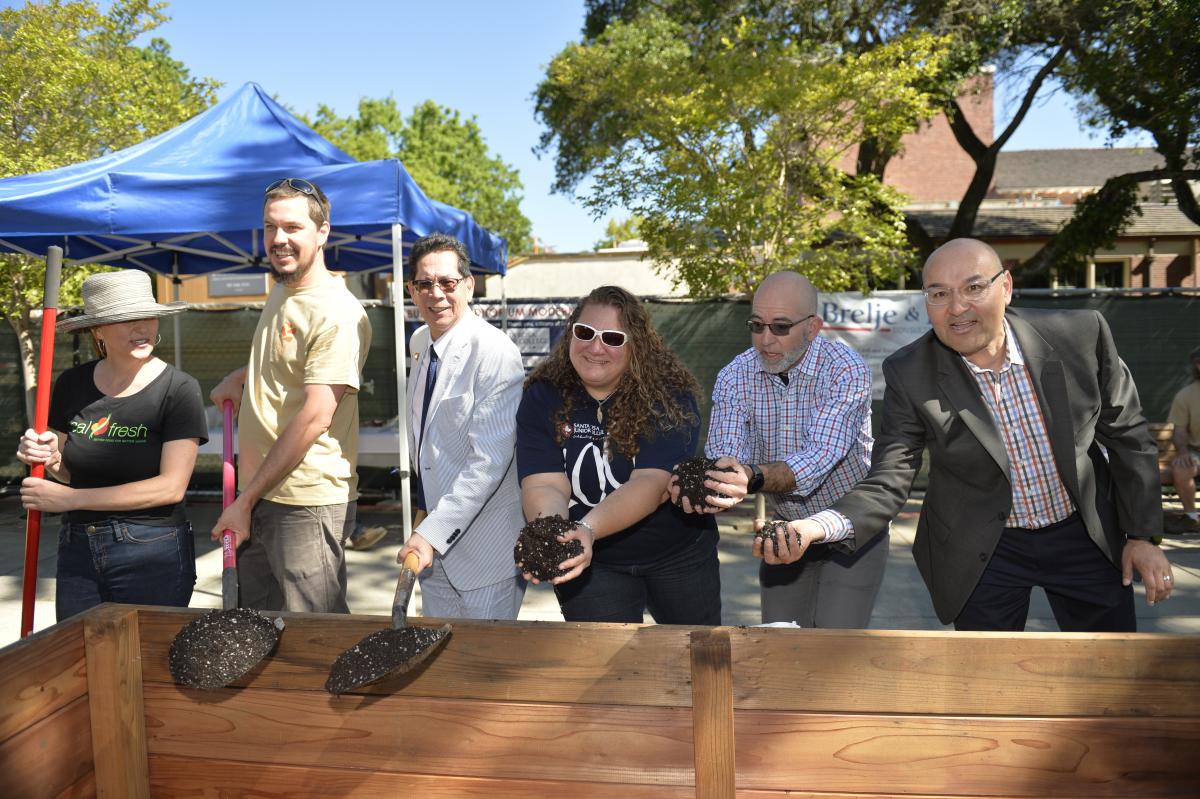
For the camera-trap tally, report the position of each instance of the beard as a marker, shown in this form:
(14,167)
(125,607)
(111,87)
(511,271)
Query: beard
(287,279)
(790,358)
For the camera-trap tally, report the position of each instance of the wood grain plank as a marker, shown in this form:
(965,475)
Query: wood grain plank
(498,740)
(48,757)
(114,674)
(42,674)
(622,664)
(968,756)
(188,778)
(82,788)
(948,673)
(712,714)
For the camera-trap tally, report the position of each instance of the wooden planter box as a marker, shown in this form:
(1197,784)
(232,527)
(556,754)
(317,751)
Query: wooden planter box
(531,709)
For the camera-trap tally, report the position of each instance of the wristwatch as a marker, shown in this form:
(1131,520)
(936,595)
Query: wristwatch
(756,481)
(1153,539)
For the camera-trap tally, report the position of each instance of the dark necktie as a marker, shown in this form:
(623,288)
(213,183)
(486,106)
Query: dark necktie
(430,380)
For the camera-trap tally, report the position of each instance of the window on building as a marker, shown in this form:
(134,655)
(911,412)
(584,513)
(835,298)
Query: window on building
(1111,274)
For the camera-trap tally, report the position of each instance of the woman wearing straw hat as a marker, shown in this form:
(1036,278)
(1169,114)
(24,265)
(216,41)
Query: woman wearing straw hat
(124,432)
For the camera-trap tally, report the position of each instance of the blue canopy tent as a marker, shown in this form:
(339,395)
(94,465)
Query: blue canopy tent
(189,202)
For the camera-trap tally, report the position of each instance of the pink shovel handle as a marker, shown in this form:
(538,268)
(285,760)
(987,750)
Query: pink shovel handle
(228,488)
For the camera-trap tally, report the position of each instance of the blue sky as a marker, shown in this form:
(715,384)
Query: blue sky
(481,57)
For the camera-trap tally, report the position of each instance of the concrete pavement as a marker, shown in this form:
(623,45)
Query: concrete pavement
(903,602)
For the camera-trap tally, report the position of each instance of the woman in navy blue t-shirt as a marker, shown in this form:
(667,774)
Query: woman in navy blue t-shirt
(603,420)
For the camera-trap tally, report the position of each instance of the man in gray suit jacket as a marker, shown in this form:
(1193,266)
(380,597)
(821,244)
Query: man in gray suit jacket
(462,400)
(1041,467)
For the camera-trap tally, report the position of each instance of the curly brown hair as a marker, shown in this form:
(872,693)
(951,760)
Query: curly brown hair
(652,395)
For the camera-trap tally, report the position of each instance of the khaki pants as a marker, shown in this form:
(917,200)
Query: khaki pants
(294,560)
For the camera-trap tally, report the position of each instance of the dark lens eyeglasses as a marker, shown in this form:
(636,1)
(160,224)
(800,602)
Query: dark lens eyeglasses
(446,284)
(609,338)
(777,328)
(299,184)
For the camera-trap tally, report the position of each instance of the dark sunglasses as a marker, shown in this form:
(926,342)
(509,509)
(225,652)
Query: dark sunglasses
(609,338)
(446,284)
(777,328)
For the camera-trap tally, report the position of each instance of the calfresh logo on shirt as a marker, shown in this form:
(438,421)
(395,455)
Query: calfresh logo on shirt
(287,332)
(108,429)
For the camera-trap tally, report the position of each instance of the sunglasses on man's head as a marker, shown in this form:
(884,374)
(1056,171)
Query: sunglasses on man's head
(298,184)
(609,338)
(776,328)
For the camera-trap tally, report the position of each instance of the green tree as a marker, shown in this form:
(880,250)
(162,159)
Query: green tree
(446,155)
(1133,65)
(73,86)
(725,137)
(619,230)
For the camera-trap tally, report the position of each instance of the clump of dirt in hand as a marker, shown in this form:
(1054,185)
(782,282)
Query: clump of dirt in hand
(538,550)
(692,473)
(773,531)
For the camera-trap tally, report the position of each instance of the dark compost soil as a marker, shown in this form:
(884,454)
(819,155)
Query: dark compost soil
(538,550)
(772,531)
(390,651)
(220,646)
(692,474)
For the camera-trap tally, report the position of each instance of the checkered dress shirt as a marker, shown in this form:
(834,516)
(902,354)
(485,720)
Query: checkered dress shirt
(819,424)
(1039,497)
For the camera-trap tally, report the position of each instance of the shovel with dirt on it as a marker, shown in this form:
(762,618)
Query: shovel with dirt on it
(391,651)
(219,647)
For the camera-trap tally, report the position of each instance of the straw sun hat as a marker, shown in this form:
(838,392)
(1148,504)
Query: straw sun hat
(120,296)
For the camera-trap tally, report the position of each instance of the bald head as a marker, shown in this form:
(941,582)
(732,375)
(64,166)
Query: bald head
(788,291)
(788,301)
(964,251)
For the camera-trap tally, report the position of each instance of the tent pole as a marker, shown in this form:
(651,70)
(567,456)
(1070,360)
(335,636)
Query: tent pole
(175,318)
(401,376)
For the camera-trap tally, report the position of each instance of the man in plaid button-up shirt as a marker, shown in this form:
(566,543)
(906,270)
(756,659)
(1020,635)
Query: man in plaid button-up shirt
(792,416)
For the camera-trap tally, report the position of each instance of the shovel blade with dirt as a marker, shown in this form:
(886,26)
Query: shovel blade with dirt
(388,652)
(216,649)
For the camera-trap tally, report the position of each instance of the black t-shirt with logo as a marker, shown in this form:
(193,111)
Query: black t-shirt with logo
(595,471)
(116,440)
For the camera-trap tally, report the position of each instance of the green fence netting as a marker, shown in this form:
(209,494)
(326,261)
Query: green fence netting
(1154,335)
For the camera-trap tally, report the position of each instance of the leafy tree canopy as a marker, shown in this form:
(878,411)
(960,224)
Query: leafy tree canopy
(725,137)
(619,230)
(446,155)
(73,86)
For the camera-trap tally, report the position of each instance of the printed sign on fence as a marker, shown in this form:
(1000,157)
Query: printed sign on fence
(875,326)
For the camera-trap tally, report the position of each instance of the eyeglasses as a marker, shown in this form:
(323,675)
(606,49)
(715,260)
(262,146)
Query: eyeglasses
(973,292)
(777,328)
(299,184)
(446,284)
(609,338)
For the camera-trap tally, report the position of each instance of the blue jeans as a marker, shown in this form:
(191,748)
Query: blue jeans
(117,560)
(682,588)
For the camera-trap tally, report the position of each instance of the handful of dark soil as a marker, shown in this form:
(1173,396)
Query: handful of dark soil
(773,531)
(538,550)
(692,474)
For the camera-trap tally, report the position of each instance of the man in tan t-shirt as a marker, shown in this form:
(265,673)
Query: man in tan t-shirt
(298,419)
(1185,415)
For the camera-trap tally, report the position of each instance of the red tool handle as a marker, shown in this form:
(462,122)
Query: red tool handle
(41,418)
(228,494)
